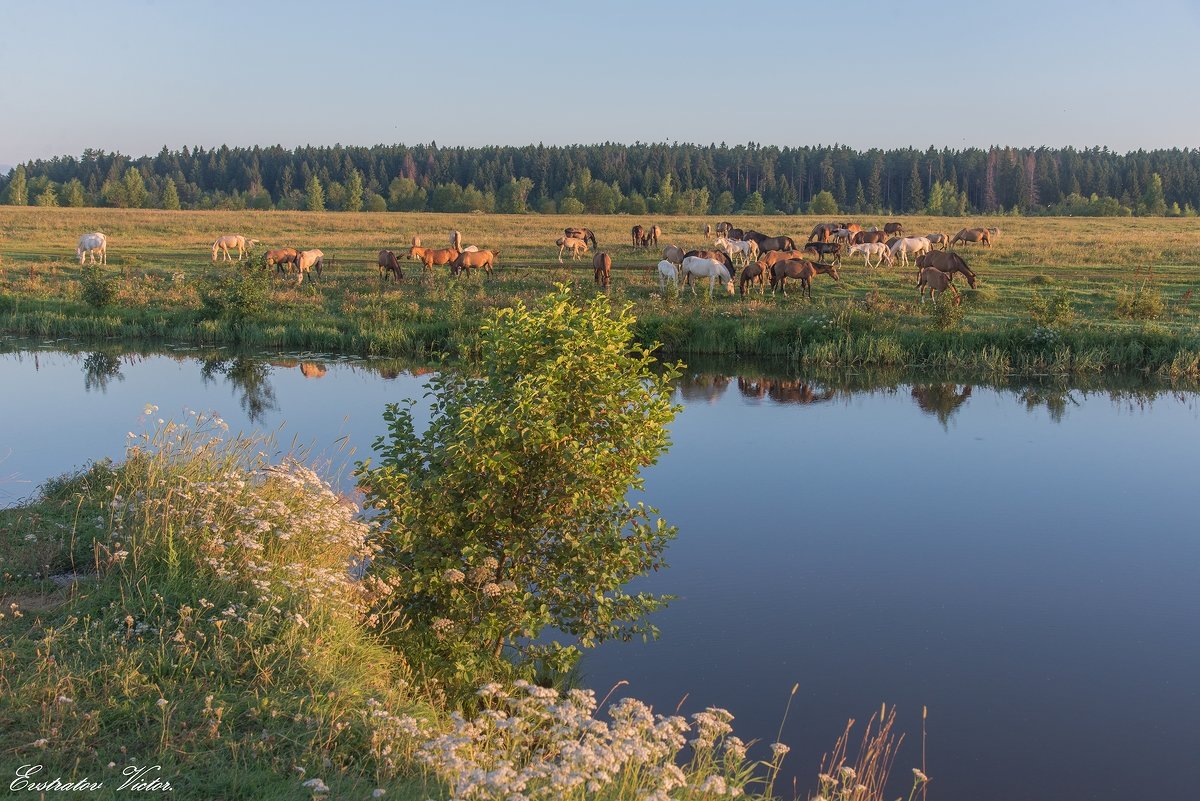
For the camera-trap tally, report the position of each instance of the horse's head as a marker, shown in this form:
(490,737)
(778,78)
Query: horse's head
(834,273)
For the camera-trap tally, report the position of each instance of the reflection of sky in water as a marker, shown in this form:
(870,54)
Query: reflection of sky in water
(1023,561)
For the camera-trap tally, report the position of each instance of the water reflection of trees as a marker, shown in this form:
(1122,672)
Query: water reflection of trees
(782,390)
(249,378)
(98,369)
(707,387)
(941,400)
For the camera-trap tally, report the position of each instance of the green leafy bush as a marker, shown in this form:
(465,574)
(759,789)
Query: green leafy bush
(1140,303)
(98,290)
(509,515)
(1051,310)
(240,293)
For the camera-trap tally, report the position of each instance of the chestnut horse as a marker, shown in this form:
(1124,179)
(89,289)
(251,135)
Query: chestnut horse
(474,260)
(937,281)
(973,235)
(430,256)
(282,259)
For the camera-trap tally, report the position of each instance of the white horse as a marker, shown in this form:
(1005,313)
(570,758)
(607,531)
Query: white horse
(707,268)
(843,236)
(869,249)
(667,272)
(910,245)
(456,240)
(309,261)
(743,251)
(89,244)
(224,243)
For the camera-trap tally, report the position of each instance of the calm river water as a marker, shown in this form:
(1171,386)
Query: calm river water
(1022,560)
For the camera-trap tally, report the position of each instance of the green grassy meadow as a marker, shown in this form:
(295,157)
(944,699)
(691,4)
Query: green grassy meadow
(1056,294)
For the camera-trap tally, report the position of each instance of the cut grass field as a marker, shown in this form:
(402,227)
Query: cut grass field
(1056,294)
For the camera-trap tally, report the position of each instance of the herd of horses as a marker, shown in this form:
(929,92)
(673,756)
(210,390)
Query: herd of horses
(763,259)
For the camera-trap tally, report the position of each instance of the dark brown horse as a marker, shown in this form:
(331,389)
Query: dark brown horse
(389,266)
(478,260)
(581,233)
(638,234)
(801,270)
(948,262)
(823,249)
(602,269)
(893,229)
(769,243)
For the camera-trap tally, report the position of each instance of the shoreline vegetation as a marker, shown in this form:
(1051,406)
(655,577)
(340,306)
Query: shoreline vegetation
(1056,295)
(206,619)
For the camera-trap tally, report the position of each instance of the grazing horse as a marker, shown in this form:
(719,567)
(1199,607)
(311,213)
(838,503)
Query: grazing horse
(667,272)
(309,261)
(893,229)
(973,235)
(282,259)
(581,233)
(431,256)
(915,245)
(948,262)
(938,239)
(844,236)
(714,255)
(723,229)
(754,273)
(707,231)
(654,234)
(710,269)
(389,266)
(867,237)
(88,246)
(822,231)
(576,246)
(937,281)
(638,234)
(602,269)
(224,243)
(456,240)
(775,243)
(802,270)
(673,254)
(823,249)
(474,260)
(870,249)
(747,250)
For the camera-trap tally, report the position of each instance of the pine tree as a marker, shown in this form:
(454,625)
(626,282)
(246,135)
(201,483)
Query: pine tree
(315,195)
(135,188)
(860,199)
(875,186)
(354,191)
(916,195)
(170,195)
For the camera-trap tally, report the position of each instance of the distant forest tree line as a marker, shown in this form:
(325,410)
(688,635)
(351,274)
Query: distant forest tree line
(635,179)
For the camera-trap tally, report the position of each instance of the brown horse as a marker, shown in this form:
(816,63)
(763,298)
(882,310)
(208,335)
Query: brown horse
(822,231)
(280,257)
(973,235)
(893,229)
(867,237)
(655,231)
(431,256)
(772,257)
(937,281)
(801,270)
(823,249)
(581,233)
(388,265)
(948,262)
(754,273)
(474,260)
(602,269)
(673,254)
(637,233)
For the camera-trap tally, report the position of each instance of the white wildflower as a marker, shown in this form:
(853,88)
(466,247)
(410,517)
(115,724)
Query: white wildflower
(161,702)
(378,792)
(454,575)
(316,785)
(849,773)
(919,776)
(779,750)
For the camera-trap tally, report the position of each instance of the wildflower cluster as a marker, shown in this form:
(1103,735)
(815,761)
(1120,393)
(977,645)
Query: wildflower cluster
(531,742)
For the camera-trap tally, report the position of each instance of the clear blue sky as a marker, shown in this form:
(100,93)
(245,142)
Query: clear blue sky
(134,75)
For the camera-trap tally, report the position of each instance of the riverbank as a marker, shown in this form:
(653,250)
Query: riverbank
(1055,295)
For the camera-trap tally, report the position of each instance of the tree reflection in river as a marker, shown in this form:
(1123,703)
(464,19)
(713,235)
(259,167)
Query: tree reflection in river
(98,369)
(250,378)
(942,400)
